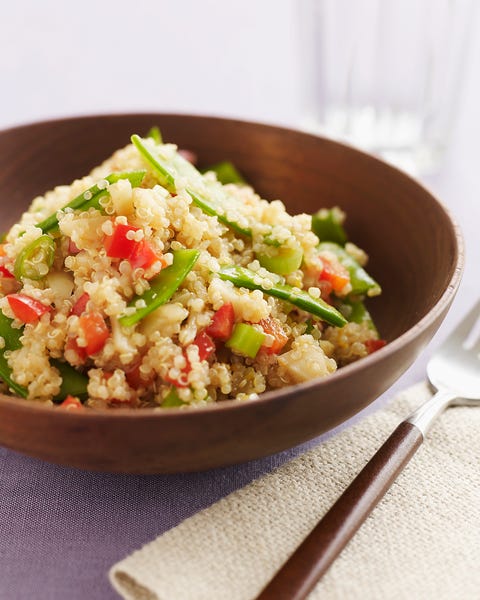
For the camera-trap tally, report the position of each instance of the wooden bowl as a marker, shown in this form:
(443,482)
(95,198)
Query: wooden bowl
(415,252)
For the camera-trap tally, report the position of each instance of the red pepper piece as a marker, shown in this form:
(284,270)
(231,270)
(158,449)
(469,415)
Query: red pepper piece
(222,323)
(25,308)
(95,332)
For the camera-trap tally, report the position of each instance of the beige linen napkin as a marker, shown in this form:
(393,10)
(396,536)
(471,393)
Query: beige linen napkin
(421,542)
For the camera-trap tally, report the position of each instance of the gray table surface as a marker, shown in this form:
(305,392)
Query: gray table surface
(61,529)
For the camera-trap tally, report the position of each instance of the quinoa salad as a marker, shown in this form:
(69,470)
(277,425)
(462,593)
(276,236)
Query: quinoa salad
(152,283)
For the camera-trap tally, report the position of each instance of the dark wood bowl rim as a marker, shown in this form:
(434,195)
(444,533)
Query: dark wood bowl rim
(240,405)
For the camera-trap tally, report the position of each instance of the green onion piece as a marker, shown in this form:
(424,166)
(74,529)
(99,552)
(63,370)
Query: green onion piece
(245,340)
(242,277)
(327,225)
(361,281)
(215,207)
(155,133)
(92,196)
(11,338)
(73,383)
(35,260)
(283,260)
(226,172)
(162,287)
(172,399)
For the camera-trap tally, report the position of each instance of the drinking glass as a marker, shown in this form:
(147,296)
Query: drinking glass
(385,75)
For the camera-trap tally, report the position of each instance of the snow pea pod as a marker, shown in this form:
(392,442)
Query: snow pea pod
(166,175)
(361,281)
(162,287)
(327,226)
(91,197)
(243,277)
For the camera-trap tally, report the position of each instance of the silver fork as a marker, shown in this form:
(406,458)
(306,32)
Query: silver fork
(454,371)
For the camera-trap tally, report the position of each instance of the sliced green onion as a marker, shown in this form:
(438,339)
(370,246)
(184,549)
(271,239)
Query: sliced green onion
(35,260)
(93,195)
(162,287)
(245,340)
(327,225)
(242,277)
(283,260)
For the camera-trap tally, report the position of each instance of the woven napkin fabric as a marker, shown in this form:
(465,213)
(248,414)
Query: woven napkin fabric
(422,541)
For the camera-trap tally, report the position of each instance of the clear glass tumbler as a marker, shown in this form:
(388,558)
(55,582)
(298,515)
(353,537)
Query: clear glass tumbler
(385,75)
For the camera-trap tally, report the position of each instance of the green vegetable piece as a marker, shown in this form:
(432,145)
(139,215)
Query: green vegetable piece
(35,260)
(242,277)
(356,312)
(226,172)
(92,196)
(327,225)
(73,383)
(11,337)
(245,340)
(362,282)
(166,177)
(172,399)
(282,260)
(162,287)
(155,133)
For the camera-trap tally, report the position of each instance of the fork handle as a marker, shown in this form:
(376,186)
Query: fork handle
(316,553)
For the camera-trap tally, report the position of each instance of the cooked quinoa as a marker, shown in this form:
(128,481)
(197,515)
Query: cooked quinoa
(80,290)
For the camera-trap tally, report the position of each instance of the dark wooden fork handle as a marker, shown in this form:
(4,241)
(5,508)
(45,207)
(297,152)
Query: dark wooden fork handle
(316,553)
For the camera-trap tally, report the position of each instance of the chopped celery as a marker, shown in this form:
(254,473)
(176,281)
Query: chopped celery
(282,260)
(162,287)
(245,340)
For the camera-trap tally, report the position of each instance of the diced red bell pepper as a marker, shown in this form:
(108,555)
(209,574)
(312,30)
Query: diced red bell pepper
(206,346)
(144,256)
(118,245)
(139,254)
(25,308)
(273,327)
(374,345)
(95,331)
(4,272)
(222,323)
(71,403)
(80,305)
(335,273)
